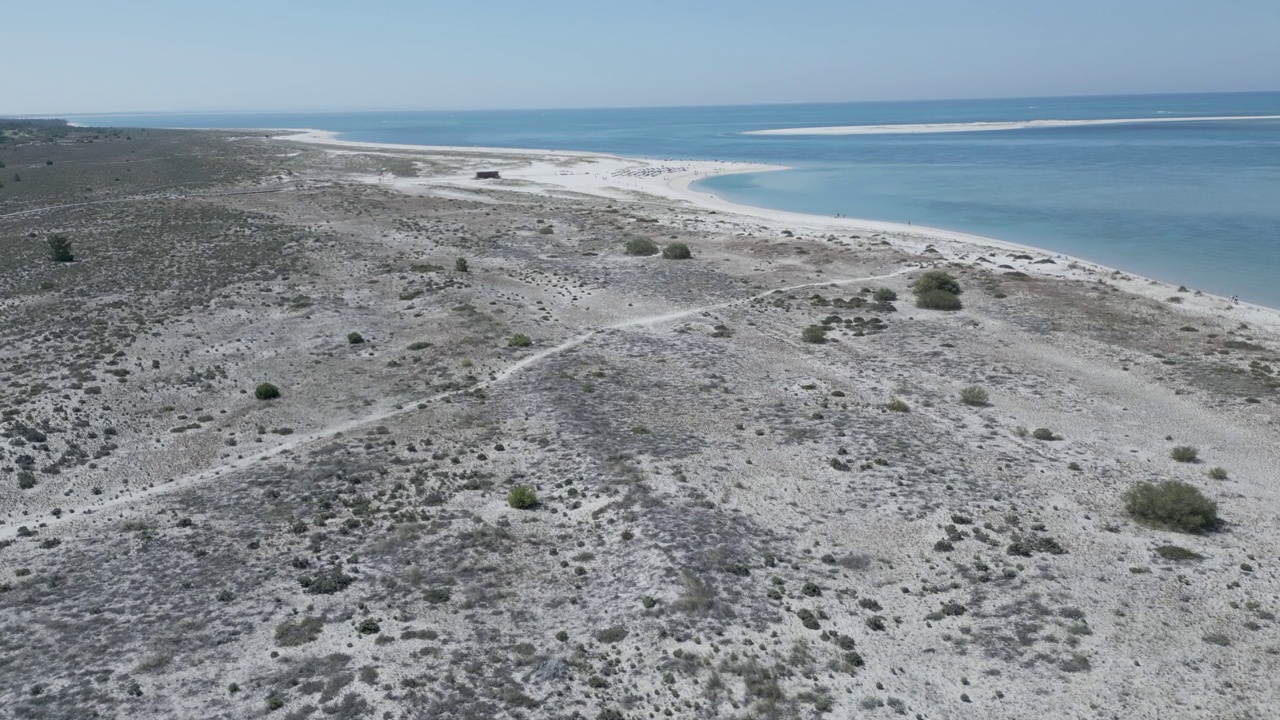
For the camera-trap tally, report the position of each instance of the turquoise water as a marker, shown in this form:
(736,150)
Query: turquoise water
(1194,203)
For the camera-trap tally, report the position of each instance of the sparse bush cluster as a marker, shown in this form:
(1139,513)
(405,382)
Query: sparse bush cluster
(1173,505)
(520,340)
(814,334)
(522,497)
(266,391)
(937,290)
(60,249)
(973,395)
(641,247)
(676,251)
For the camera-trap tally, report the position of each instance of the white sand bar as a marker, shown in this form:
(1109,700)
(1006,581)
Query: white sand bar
(988,126)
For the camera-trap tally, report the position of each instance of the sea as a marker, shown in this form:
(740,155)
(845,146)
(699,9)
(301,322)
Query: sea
(1193,203)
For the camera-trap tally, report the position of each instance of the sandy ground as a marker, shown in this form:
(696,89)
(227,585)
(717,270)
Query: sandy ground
(730,521)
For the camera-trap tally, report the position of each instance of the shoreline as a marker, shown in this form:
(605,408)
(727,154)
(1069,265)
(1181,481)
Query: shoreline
(673,180)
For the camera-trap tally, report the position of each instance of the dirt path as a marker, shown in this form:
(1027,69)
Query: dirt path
(406,406)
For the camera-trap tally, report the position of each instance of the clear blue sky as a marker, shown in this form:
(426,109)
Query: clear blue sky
(65,56)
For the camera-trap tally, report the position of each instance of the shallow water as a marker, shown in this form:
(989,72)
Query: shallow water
(1194,203)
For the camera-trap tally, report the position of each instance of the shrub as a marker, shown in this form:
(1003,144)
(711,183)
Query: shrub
(897,405)
(938,300)
(355,338)
(266,391)
(814,334)
(522,497)
(292,634)
(1173,505)
(60,248)
(1174,552)
(1043,434)
(1184,453)
(936,280)
(884,295)
(1218,473)
(368,626)
(973,395)
(641,246)
(520,340)
(326,583)
(460,265)
(676,251)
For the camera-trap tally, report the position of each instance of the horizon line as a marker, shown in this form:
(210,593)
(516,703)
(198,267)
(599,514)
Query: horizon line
(133,113)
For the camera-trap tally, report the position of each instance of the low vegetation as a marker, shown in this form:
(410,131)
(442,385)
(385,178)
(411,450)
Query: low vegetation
(641,247)
(522,497)
(814,334)
(1171,505)
(937,290)
(676,251)
(266,391)
(974,395)
(60,249)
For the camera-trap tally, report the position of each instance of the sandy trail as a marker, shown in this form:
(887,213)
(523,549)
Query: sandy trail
(131,500)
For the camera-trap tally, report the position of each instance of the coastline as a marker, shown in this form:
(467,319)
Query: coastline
(618,177)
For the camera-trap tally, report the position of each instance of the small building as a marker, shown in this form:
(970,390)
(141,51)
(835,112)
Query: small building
(487,175)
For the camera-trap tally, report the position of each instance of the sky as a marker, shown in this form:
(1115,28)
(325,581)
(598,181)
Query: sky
(90,56)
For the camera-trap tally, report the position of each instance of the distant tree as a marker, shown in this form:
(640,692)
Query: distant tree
(60,248)
(460,265)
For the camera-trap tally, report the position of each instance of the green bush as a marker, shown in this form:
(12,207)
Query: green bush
(355,338)
(60,248)
(676,251)
(641,247)
(1043,434)
(522,497)
(1172,505)
(814,334)
(1176,553)
(292,634)
(520,340)
(936,280)
(884,295)
(938,300)
(1218,473)
(897,405)
(460,265)
(973,395)
(1184,453)
(266,391)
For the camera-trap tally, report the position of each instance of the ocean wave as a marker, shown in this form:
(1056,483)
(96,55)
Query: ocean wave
(991,126)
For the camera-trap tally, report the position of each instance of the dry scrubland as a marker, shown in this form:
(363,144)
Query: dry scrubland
(729,520)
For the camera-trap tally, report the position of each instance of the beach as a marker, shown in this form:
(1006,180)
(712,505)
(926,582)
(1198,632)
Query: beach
(316,427)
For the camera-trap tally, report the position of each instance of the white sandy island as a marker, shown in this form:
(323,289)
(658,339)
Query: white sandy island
(925,128)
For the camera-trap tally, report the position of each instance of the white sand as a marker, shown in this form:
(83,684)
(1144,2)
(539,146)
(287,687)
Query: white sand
(987,126)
